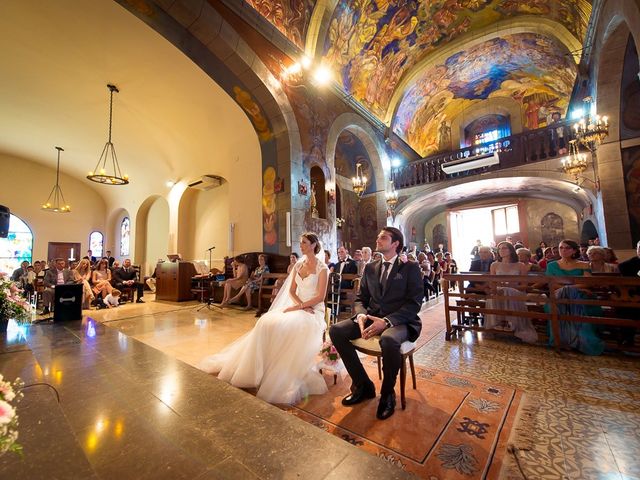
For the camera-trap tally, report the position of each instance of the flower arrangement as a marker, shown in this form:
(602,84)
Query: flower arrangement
(12,304)
(8,417)
(329,353)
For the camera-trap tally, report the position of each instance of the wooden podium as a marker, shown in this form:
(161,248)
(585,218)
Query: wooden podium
(173,281)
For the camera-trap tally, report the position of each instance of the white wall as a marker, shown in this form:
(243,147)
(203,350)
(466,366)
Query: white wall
(157,235)
(26,186)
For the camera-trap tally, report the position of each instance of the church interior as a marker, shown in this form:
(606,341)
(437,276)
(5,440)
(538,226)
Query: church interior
(239,125)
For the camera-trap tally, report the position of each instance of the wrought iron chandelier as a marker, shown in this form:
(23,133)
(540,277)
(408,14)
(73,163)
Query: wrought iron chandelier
(55,202)
(591,130)
(576,163)
(359,181)
(391,197)
(103,173)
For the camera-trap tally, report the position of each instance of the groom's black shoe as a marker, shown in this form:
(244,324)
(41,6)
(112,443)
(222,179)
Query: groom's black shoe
(387,406)
(360,394)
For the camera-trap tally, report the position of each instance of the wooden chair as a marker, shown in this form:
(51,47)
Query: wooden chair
(270,283)
(128,292)
(341,300)
(371,347)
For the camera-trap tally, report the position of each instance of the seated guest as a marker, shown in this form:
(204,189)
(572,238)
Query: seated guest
(547,257)
(630,268)
(327,260)
(376,256)
(609,255)
(483,265)
(540,251)
(19,272)
(127,277)
(28,280)
(521,327)
(425,268)
(597,264)
(151,281)
(55,276)
(345,265)
(524,257)
(253,284)
(82,274)
(581,336)
(101,279)
(452,265)
(357,257)
(240,276)
(90,256)
(293,258)
(109,258)
(584,257)
(38,269)
(114,266)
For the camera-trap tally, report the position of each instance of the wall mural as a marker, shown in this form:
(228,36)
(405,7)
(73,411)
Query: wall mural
(291,17)
(532,69)
(373,43)
(360,227)
(631,169)
(269,206)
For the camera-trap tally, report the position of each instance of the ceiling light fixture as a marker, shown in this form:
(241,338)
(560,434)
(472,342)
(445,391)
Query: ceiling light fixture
(359,181)
(55,202)
(100,173)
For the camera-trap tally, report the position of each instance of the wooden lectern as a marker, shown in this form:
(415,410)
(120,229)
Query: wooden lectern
(173,281)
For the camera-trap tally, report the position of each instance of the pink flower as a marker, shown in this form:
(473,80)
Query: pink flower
(7,412)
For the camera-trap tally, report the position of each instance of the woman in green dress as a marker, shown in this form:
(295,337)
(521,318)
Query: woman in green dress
(581,336)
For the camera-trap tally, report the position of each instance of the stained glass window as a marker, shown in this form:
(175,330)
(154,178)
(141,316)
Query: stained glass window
(17,247)
(125,227)
(96,241)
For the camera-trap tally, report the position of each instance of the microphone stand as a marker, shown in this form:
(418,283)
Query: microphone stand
(209,303)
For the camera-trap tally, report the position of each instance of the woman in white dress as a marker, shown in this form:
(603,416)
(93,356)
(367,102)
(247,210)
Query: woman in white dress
(521,327)
(278,356)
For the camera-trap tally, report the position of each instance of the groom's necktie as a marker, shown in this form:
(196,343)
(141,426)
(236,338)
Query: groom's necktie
(386,267)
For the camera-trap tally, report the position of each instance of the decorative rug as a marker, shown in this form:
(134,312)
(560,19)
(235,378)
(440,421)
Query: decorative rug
(453,427)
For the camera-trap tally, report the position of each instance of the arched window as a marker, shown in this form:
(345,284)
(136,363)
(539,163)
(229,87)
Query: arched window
(96,243)
(486,130)
(125,230)
(17,247)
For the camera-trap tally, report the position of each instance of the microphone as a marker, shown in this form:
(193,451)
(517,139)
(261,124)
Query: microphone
(212,248)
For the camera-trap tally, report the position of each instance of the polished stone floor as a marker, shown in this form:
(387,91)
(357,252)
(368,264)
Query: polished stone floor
(588,407)
(586,426)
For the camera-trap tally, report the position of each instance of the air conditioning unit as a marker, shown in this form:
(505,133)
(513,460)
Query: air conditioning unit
(206,182)
(469,163)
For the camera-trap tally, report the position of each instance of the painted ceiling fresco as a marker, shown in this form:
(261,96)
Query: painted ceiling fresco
(291,17)
(532,69)
(372,43)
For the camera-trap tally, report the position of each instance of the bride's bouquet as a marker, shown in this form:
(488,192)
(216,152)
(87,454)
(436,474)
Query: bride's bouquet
(12,304)
(8,416)
(329,353)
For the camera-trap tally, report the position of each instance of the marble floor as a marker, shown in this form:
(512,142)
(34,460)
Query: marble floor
(588,415)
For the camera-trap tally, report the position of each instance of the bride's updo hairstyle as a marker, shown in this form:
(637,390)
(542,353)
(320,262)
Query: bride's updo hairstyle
(313,238)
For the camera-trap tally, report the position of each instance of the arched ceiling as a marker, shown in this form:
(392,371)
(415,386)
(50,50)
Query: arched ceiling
(379,51)
(421,207)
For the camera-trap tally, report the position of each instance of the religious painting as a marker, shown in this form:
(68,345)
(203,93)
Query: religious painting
(630,93)
(368,222)
(439,235)
(269,218)
(302,188)
(552,228)
(533,70)
(631,170)
(373,45)
(254,112)
(291,17)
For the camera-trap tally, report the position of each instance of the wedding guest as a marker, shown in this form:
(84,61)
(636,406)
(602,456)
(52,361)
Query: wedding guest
(345,265)
(240,276)
(540,251)
(101,279)
(90,256)
(597,264)
(583,252)
(327,260)
(113,299)
(110,259)
(59,275)
(630,268)
(609,255)
(293,258)
(82,274)
(253,284)
(19,272)
(126,277)
(387,306)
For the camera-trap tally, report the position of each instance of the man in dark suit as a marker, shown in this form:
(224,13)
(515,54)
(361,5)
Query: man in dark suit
(126,277)
(345,264)
(109,258)
(630,268)
(54,276)
(388,304)
(20,272)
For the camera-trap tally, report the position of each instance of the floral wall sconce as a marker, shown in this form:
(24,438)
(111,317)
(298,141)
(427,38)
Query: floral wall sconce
(302,188)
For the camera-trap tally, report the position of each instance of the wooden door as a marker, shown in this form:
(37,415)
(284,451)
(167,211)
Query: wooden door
(64,250)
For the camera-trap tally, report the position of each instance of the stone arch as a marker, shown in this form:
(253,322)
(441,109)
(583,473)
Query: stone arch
(589,231)
(152,233)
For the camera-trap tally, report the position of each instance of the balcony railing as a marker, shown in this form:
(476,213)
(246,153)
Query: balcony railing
(516,150)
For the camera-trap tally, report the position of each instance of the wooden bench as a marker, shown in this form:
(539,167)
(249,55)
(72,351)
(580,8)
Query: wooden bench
(270,283)
(618,296)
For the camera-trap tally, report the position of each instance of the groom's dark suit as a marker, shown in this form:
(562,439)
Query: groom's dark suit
(398,301)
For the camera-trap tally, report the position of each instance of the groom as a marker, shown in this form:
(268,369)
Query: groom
(387,305)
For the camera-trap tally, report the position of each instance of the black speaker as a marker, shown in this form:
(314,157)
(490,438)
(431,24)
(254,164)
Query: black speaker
(68,303)
(4,221)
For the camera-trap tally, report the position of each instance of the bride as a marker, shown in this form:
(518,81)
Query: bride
(279,354)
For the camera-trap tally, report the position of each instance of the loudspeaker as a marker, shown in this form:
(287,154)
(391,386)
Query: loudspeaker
(68,303)
(4,221)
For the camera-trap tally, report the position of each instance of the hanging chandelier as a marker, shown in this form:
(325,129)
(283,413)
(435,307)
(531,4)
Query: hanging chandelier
(359,181)
(391,197)
(107,170)
(591,130)
(55,202)
(576,163)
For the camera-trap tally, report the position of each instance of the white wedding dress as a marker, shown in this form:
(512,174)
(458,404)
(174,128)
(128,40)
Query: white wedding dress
(279,355)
